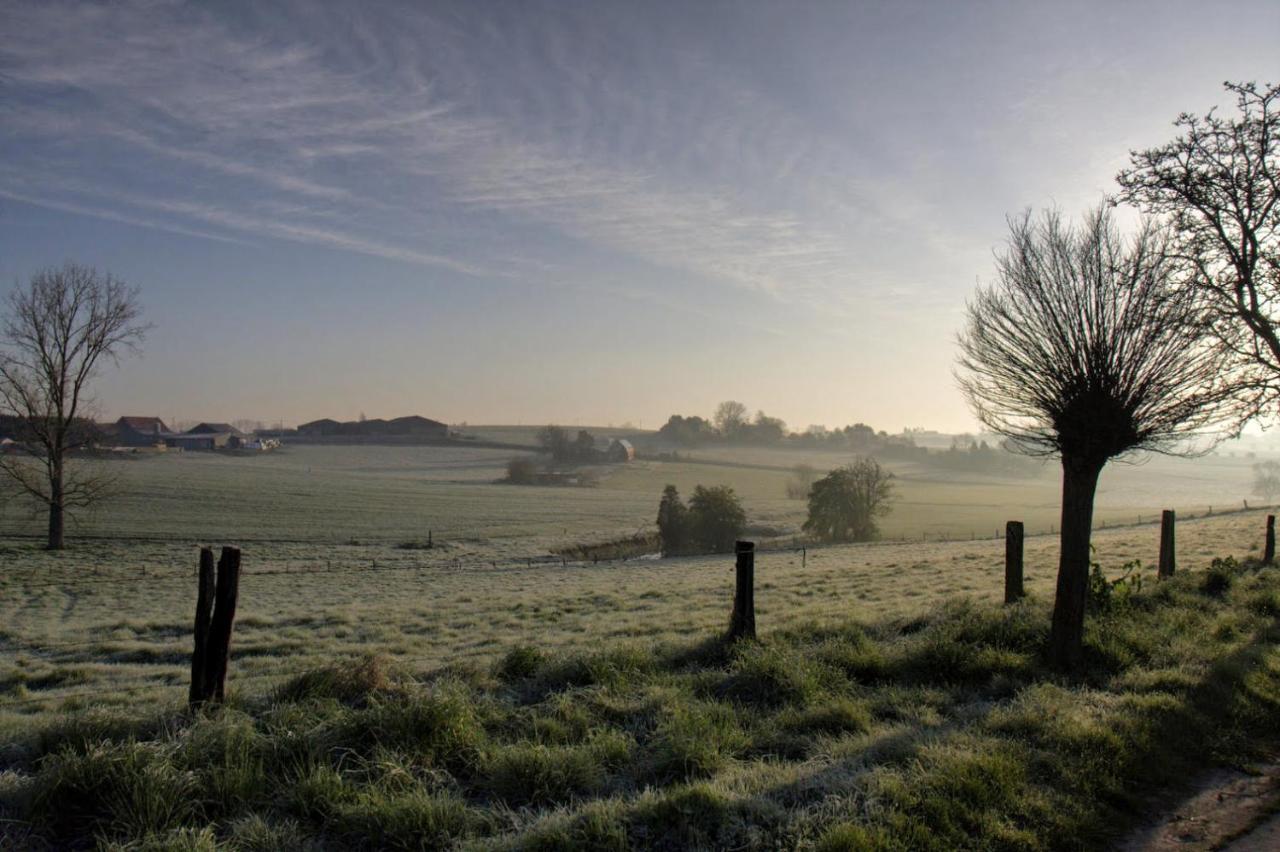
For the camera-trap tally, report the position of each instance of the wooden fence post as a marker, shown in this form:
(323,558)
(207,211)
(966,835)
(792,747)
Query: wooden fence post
(742,624)
(1269,554)
(204,607)
(213,632)
(1013,561)
(1167,560)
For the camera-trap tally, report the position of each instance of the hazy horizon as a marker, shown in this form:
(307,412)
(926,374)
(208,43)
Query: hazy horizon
(596,213)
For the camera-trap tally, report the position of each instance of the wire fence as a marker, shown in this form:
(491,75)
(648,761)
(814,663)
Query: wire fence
(303,567)
(13,644)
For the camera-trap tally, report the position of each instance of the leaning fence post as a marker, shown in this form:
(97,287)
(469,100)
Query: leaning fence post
(1167,562)
(1269,554)
(1013,561)
(204,606)
(742,624)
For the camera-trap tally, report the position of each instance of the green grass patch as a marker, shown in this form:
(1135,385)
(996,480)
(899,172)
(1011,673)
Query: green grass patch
(944,732)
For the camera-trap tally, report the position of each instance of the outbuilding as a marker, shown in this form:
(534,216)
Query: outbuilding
(621,451)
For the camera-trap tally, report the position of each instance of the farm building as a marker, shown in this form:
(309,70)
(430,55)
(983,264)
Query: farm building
(621,451)
(422,427)
(199,441)
(216,429)
(411,426)
(320,428)
(140,431)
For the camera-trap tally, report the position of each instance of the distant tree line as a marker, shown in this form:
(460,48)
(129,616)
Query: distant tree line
(579,449)
(732,426)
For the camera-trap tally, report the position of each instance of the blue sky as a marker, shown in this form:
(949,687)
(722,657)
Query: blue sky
(583,212)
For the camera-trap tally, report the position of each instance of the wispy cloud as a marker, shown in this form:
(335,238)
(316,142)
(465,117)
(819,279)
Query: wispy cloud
(387,131)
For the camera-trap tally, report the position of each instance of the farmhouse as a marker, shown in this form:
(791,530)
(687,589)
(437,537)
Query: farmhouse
(621,451)
(140,431)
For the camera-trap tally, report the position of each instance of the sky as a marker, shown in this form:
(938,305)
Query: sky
(574,212)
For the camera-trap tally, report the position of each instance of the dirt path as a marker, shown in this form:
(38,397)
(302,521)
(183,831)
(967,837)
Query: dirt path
(1232,810)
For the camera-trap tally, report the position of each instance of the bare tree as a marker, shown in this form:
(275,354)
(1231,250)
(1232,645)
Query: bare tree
(57,332)
(1266,479)
(1083,349)
(730,417)
(1218,186)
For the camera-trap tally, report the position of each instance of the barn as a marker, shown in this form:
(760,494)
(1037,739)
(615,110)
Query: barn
(140,431)
(320,428)
(419,427)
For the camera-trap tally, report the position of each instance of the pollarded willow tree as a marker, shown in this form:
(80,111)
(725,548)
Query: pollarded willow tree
(1084,349)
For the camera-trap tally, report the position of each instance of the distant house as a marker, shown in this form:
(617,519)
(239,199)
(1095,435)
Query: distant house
(140,431)
(320,428)
(621,451)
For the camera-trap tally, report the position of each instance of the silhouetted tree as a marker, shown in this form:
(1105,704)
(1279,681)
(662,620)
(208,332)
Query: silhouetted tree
(802,477)
(844,504)
(584,447)
(673,522)
(730,418)
(521,470)
(57,331)
(1218,186)
(716,518)
(555,441)
(1083,349)
(768,430)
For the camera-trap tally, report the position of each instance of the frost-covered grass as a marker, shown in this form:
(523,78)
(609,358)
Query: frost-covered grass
(942,730)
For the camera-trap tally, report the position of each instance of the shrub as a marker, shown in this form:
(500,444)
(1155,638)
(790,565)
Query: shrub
(521,471)
(716,518)
(844,504)
(1217,580)
(1105,595)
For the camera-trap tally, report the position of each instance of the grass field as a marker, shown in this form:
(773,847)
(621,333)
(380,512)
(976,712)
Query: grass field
(934,731)
(335,571)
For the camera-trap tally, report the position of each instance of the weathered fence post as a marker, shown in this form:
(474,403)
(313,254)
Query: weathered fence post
(742,624)
(1013,561)
(204,607)
(1167,561)
(1269,553)
(213,632)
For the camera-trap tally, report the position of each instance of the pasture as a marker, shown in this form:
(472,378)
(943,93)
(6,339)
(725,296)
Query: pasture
(95,644)
(334,540)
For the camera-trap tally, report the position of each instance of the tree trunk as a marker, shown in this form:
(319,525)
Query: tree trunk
(57,509)
(1066,639)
